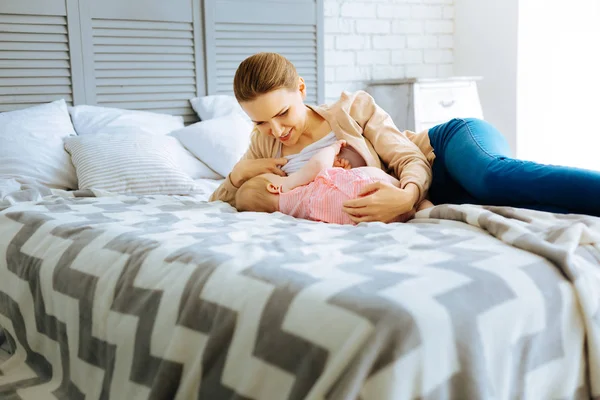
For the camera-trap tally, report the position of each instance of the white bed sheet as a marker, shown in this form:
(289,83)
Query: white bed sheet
(15,190)
(207,187)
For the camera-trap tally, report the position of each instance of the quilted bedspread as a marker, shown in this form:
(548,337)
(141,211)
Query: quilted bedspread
(163,297)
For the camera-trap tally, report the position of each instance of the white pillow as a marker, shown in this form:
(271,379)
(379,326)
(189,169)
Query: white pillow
(218,142)
(92,120)
(31,145)
(215,106)
(189,164)
(89,120)
(129,164)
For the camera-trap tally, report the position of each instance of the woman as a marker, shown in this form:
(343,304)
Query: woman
(461,161)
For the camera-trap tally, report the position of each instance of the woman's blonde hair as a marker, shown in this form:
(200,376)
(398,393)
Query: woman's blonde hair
(262,73)
(254,196)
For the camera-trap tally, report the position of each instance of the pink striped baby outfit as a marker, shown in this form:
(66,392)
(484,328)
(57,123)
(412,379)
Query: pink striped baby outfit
(322,199)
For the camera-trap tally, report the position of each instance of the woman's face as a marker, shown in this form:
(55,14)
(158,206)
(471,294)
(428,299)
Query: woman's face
(280,113)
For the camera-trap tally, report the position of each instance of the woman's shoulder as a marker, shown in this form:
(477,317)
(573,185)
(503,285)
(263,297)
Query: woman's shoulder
(348,99)
(357,104)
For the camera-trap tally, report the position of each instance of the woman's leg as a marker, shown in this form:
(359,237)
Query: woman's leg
(444,188)
(476,157)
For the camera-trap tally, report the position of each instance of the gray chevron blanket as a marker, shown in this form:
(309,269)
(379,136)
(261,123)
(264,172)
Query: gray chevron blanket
(164,297)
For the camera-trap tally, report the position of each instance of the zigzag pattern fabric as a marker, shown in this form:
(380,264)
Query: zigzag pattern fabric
(163,297)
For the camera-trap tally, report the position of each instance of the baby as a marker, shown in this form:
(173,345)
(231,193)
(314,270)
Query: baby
(316,191)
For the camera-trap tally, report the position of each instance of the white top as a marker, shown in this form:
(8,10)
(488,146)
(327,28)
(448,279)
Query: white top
(297,161)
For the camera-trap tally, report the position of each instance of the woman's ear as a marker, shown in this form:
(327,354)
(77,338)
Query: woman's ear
(302,87)
(272,188)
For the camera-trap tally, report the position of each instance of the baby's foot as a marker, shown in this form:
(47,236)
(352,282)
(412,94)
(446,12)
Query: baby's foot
(424,205)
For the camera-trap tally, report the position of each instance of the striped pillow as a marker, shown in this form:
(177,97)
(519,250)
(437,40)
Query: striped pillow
(128,164)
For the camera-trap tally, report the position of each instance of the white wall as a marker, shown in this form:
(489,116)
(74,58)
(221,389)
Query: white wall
(485,44)
(540,60)
(386,39)
(559,82)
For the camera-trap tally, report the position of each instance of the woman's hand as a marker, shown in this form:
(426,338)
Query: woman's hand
(248,169)
(381,201)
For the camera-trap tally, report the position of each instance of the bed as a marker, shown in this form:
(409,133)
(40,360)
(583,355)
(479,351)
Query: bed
(173,297)
(118,279)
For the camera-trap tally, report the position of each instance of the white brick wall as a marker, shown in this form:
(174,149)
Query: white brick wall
(386,39)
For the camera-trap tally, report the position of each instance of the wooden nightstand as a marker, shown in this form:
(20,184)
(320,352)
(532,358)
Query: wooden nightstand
(418,104)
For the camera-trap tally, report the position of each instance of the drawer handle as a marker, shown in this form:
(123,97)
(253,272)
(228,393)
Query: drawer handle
(446,104)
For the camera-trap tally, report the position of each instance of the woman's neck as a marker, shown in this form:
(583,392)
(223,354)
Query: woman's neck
(316,128)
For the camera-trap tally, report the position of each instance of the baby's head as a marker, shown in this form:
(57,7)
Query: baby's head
(258,194)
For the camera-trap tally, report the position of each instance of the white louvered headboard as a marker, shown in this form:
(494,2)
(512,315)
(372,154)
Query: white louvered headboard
(145,62)
(150,55)
(35,64)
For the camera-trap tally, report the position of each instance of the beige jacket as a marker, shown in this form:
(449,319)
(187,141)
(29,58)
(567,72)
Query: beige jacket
(365,126)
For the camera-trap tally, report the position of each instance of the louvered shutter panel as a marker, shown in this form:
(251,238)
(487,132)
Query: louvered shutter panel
(145,55)
(35,58)
(236,29)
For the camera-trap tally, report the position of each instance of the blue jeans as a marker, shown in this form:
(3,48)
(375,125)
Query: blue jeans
(472,165)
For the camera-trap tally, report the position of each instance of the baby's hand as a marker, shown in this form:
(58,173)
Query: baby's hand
(337,146)
(342,163)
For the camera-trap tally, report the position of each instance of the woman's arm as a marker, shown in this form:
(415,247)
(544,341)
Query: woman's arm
(394,148)
(252,163)
(320,161)
(227,190)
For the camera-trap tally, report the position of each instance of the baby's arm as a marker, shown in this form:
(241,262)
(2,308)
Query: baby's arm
(320,161)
